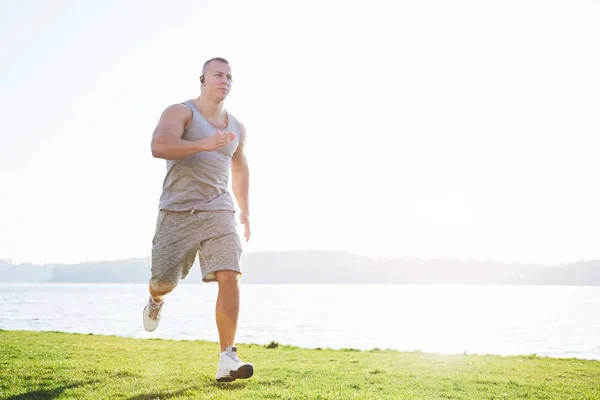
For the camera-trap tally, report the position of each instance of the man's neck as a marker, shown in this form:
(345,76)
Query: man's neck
(208,107)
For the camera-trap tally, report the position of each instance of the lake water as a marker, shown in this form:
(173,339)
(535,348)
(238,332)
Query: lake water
(557,321)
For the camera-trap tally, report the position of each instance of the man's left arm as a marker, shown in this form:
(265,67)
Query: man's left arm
(240,181)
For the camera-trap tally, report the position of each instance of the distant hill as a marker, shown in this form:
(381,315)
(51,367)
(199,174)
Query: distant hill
(324,267)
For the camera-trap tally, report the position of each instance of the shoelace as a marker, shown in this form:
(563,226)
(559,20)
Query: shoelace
(153,313)
(235,357)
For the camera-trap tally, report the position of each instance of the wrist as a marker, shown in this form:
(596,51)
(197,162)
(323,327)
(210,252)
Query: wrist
(200,145)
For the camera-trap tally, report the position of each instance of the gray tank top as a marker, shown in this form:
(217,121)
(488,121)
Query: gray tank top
(200,181)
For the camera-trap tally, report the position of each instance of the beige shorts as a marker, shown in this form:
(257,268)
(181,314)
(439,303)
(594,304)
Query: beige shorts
(180,235)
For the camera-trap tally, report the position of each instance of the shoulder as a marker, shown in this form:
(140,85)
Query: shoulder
(241,127)
(243,132)
(181,111)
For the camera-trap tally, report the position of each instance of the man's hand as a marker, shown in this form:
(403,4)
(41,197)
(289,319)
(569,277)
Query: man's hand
(216,141)
(245,220)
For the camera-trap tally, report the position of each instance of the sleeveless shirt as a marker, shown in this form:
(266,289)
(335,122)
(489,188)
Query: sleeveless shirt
(200,181)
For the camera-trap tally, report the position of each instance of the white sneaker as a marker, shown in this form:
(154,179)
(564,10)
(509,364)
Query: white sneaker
(152,315)
(231,367)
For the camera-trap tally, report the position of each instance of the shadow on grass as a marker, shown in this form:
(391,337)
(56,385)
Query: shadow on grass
(47,393)
(228,386)
(54,392)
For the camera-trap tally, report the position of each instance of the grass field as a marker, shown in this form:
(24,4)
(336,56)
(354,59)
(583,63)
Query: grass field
(51,365)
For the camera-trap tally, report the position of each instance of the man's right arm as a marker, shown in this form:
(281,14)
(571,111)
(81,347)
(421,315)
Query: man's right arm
(167,142)
(166,139)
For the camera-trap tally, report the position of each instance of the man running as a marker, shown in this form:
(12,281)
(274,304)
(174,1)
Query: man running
(201,141)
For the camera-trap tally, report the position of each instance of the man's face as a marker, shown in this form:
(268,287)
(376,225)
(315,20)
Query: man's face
(217,79)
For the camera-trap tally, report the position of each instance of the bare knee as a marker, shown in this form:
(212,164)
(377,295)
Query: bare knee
(227,278)
(161,287)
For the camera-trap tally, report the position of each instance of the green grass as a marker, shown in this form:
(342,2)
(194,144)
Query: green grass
(52,365)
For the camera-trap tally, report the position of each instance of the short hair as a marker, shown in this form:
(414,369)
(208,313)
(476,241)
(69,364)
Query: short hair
(219,59)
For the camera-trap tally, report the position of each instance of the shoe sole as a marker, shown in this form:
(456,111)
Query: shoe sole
(244,372)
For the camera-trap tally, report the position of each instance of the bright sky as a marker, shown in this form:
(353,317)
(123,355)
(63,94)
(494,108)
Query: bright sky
(419,129)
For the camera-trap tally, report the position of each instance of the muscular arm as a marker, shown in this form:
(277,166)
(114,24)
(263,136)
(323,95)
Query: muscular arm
(240,174)
(166,139)
(167,142)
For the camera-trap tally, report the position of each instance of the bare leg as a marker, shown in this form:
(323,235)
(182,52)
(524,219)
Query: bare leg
(228,307)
